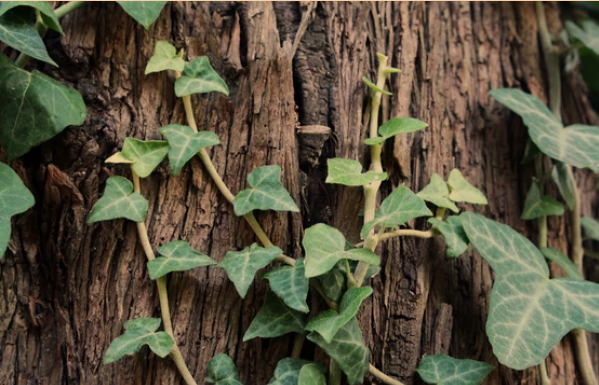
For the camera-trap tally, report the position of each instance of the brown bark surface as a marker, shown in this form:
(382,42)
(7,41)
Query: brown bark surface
(67,287)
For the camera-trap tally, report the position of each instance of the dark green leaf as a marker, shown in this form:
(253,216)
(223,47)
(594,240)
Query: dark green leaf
(144,12)
(5,229)
(288,370)
(562,177)
(530,151)
(15,198)
(334,283)
(590,228)
(165,58)
(119,201)
(374,87)
(143,156)
(444,370)
(394,127)
(275,319)
(222,371)
(139,332)
(462,191)
(291,285)
(453,234)
(437,193)
(199,78)
(45,9)
(537,205)
(18,30)
(177,256)
(311,374)
(349,172)
(563,261)
(185,143)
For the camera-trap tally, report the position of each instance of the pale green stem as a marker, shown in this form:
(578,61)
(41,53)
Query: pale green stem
(440,213)
(403,233)
(298,345)
(334,373)
(67,8)
(382,376)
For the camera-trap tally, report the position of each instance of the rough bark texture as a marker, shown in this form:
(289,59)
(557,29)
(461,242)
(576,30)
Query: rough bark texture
(66,287)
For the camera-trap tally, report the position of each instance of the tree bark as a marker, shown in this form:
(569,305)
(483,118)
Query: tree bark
(67,287)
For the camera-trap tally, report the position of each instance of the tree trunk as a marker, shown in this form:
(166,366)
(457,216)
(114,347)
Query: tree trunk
(67,287)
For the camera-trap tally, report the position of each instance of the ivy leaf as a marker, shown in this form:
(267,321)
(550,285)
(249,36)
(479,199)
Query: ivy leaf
(18,30)
(444,370)
(144,12)
(462,191)
(590,228)
(119,201)
(165,58)
(347,349)
(35,108)
(328,323)
(575,145)
(288,370)
(325,246)
(334,283)
(199,78)
(588,34)
(437,193)
(562,177)
(267,193)
(529,313)
(143,156)
(453,234)
(222,371)
(537,205)
(177,256)
(15,198)
(139,332)
(241,266)
(374,87)
(185,143)
(394,127)
(348,172)
(46,12)
(291,285)
(275,319)
(311,374)
(563,261)
(399,207)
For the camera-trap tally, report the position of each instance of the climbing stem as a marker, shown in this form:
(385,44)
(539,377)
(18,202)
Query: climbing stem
(591,253)
(334,373)
(382,376)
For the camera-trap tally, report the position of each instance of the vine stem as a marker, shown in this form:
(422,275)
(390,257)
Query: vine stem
(383,377)
(591,253)
(175,353)
(334,373)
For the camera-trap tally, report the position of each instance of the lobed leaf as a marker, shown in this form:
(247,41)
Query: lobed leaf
(184,143)
(144,12)
(222,371)
(288,371)
(453,234)
(199,78)
(144,156)
(437,193)
(562,177)
(177,256)
(462,191)
(444,370)
(119,201)
(538,205)
(590,228)
(15,198)
(139,332)
(311,374)
(275,319)
(46,12)
(291,285)
(374,87)
(348,172)
(165,58)
(563,261)
(588,34)
(394,127)
(18,30)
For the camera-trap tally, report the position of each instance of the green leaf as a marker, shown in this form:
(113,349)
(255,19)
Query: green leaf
(325,246)
(444,370)
(199,78)
(267,193)
(15,198)
(275,319)
(35,108)
(328,323)
(349,172)
(119,201)
(374,87)
(45,9)
(185,143)
(222,371)
(144,12)
(453,234)
(18,30)
(177,256)
(462,191)
(311,374)
(563,261)
(588,34)
(529,313)
(537,205)
(562,177)
(291,285)
(165,58)
(334,283)
(347,349)
(399,207)
(143,156)
(437,193)
(139,332)
(590,228)
(241,266)
(575,145)
(530,151)
(288,370)
(394,127)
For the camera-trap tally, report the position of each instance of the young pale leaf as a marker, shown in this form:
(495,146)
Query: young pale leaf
(222,371)
(444,370)
(144,12)
(590,228)
(437,193)
(374,87)
(453,234)
(139,332)
(185,143)
(563,261)
(562,177)
(241,266)
(177,256)
(275,319)
(288,370)
(348,172)
(17,30)
(529,313)
(15,198)
(165,58)
(575,145)
(328,323)
(462,191)
(394,127)
(35,108)
(46,12)
(143,156)
(291,285)
(199,78)
(119,201)
(537,205)
(348,350)
(325,246)
(267,193)
(311,374)
(588,34)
